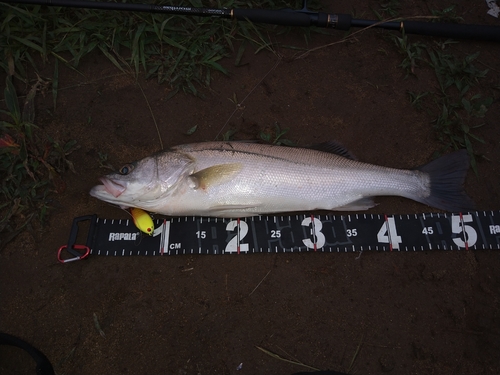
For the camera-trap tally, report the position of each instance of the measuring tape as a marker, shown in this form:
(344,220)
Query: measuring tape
(287,234)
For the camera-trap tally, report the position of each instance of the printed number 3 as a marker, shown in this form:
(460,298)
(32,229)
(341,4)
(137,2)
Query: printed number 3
(320,237)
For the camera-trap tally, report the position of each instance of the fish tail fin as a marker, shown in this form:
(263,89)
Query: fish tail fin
(447,176)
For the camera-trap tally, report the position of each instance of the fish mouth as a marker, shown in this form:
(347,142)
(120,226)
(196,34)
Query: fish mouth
(112,187)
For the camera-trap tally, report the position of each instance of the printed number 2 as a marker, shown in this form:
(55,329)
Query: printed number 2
(232,246)
(320,237)
(458,226)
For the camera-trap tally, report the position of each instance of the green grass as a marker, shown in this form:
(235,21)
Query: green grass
(275,136)
(182,51)
(390,9)
(456,107)
(31,163)
(411,52)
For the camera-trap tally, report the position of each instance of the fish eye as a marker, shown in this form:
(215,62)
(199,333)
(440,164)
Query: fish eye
(126,169)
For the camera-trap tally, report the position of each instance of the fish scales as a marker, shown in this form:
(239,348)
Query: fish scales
(274,178)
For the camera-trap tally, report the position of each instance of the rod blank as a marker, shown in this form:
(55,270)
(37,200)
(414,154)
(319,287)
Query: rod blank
(288,17)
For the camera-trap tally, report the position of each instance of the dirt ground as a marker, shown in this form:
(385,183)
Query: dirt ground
(431,312)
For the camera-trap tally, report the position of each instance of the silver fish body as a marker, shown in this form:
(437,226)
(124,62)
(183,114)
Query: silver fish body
(238,179)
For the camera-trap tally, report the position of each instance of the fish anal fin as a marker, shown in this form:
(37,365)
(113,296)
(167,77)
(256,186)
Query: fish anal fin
(215,175)
(235,210)
(358,205)
(231,207)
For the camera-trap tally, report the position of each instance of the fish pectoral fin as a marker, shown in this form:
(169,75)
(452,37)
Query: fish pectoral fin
(358,205)
(214,175)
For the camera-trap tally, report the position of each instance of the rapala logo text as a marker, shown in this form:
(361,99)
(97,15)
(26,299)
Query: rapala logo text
(122,236)
(494,229)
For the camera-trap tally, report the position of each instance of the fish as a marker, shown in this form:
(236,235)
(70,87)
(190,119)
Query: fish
(240,179)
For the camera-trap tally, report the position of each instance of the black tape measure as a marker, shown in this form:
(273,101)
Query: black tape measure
(288,234)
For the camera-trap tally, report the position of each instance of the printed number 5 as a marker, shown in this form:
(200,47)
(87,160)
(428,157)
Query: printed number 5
(458,226)
(320,237)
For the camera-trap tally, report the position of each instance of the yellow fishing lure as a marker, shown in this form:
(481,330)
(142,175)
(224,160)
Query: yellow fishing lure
(142,220)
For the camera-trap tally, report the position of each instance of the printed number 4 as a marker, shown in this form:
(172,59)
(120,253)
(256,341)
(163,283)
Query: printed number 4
(388,233)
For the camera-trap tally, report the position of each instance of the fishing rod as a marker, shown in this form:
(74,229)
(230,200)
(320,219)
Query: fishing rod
(290,17)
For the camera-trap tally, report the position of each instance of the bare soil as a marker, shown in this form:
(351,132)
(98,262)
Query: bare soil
(431,312)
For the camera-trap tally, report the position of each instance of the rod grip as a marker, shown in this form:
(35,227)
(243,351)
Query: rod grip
(275,17)
(456,31)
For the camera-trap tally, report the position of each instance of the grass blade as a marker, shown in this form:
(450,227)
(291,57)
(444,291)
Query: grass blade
(111,58)
(28,43)
(55,82)
(11,100)
(274,355)
(98,326)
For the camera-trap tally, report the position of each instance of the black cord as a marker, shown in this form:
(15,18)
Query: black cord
(43,365)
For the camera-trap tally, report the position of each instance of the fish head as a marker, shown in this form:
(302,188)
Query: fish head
(143,183)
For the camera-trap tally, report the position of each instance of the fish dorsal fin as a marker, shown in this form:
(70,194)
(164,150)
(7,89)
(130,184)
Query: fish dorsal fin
(334,148)
(214,175)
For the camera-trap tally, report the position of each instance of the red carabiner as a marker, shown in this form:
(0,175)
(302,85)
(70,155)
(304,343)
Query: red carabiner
(75,247)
